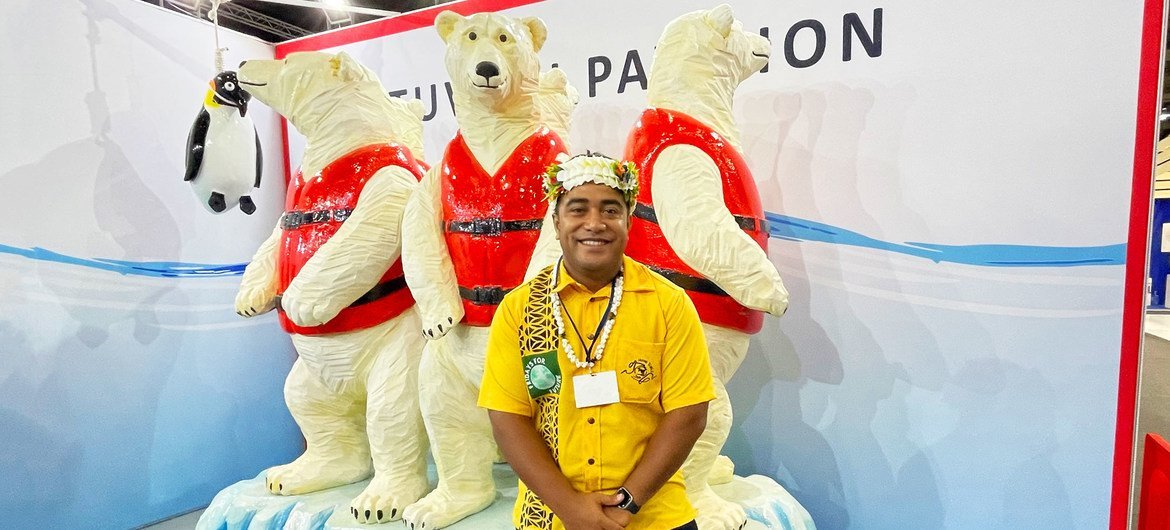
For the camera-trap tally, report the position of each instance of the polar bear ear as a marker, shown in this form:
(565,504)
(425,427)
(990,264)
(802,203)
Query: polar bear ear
(347,68)
(416,106)
(538,31)
(554,79)
(720,19)
(445,23)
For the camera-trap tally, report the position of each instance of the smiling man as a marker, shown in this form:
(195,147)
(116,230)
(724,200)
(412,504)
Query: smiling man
(597,377)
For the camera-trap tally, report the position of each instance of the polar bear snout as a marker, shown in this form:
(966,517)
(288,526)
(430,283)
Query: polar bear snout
(256,74)
(490,73)
(487,69)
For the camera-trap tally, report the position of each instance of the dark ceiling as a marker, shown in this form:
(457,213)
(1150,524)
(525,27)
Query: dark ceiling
(275,22)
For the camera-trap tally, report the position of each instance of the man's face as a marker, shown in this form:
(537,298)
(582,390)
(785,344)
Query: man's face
(593,226)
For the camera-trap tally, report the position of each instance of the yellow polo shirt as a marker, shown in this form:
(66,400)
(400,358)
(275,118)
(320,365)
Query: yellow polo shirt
(660,358)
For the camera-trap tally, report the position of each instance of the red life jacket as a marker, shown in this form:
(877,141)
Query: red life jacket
(656,130)
(314,211)
(491,222)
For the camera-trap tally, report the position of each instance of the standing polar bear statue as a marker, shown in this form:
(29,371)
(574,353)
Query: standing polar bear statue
(698,220)
(332,269)
(469,233)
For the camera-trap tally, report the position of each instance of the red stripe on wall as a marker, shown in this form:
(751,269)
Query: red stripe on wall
(392,25)
(1149,96)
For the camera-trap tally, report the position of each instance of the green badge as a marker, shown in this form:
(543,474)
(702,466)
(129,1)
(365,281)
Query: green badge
(542,373)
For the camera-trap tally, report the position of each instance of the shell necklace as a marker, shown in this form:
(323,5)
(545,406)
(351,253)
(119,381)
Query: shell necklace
(594,351)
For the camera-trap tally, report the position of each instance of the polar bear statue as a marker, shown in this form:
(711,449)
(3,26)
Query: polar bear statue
(331,267)
(469,232)
(698,220)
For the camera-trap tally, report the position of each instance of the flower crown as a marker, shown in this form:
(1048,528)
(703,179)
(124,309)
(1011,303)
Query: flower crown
(568,173)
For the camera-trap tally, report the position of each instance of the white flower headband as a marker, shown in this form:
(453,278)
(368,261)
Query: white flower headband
(568,173)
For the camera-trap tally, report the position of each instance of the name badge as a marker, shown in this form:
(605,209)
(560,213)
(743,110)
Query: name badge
(591,390)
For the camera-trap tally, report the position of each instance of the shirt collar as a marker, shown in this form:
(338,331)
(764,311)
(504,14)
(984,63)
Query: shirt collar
(636,278)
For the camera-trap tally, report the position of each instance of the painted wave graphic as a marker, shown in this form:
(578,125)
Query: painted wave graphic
(780,227)
(989,255)
(156,269)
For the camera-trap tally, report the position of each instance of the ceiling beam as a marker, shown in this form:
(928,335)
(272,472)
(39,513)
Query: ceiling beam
(261,21)
(331,7)
(241,15)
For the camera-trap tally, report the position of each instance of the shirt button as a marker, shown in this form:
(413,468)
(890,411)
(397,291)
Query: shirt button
(591,421)
(590,461)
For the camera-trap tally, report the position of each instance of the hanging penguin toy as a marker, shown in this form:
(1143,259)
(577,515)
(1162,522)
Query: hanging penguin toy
(223,150)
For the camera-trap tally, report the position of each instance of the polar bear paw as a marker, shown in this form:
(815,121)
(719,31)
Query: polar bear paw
(434,329)
(722,471)
(385,498)
(715,513)
(252,301)
(309,473)
(304,311)
(441,508)
(778,302)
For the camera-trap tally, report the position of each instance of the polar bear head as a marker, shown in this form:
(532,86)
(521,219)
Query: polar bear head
(705,55)
(556,101)
(492,58)
(319,92)
(293,85)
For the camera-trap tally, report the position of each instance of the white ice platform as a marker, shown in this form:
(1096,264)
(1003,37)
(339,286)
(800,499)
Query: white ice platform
(247,505)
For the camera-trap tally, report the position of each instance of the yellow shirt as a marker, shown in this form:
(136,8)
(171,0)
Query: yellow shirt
(656,348)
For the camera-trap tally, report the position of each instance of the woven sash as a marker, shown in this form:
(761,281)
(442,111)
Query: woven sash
(538,334)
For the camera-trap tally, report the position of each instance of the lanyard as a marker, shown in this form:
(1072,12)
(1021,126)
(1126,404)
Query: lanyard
(600,325)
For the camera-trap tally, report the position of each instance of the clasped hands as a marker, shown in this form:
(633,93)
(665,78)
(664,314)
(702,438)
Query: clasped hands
(593,511)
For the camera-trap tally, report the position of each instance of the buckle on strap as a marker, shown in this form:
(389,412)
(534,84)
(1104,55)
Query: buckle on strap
(481,295)
(296,219)
(646,212)
(492,226)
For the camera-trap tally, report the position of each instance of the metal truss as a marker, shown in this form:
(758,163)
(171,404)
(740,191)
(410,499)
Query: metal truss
(260,21)
(241,15)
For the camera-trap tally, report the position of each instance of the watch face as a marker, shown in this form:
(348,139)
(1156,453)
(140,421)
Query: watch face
(627,502)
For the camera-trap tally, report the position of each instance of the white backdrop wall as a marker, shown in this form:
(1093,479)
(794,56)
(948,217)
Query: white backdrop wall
(950,210)
(129,389)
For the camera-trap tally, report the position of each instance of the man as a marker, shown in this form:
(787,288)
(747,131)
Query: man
(597,377)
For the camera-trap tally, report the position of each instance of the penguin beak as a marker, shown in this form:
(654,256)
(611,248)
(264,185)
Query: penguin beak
(245,97)
(238,100)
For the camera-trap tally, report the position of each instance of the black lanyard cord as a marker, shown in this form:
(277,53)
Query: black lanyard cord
(600,325)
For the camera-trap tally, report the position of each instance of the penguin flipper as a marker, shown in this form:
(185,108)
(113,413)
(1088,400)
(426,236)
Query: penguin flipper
(195,143)
(259,160)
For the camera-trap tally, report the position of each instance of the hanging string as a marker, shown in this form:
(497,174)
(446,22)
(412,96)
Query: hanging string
(214,16)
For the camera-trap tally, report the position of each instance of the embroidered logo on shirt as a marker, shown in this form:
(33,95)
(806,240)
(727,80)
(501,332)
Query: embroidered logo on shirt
(641,370)
(542,374)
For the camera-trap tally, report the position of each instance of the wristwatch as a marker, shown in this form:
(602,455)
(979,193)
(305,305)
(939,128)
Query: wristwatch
(627,503)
